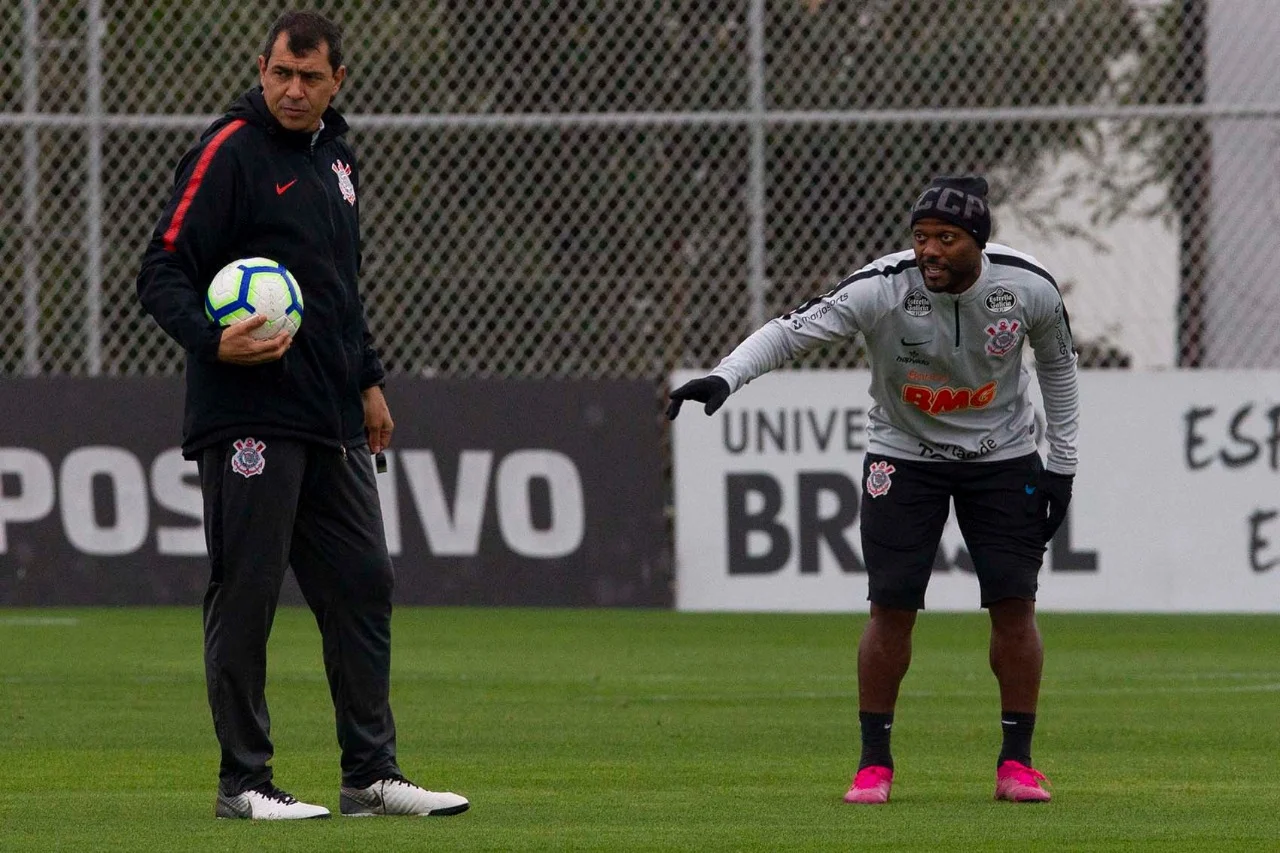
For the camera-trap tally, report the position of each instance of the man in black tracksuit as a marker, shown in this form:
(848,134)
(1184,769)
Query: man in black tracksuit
(283,429)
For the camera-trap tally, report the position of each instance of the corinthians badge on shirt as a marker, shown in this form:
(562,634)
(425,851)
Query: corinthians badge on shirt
(1003,337)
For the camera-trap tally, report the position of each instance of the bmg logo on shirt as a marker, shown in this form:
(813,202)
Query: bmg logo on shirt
(946,399)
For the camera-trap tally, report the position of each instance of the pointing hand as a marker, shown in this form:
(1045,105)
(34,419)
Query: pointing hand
(711,390)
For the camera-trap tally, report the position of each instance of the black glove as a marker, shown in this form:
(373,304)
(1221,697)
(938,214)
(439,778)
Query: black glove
(711,390)
(1056,491)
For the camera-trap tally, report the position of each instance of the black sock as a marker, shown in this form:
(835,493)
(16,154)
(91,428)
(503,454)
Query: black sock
(1018,728)
(876,729)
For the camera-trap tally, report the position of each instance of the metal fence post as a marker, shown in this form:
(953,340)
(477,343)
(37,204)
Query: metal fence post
(30,188)
(93,199)
(756,183)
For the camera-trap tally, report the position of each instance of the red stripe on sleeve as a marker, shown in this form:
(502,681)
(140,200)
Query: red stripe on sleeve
(193,184)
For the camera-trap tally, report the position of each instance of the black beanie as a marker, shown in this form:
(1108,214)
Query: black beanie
(959,200)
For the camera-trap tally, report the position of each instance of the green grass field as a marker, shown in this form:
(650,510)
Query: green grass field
(620,730)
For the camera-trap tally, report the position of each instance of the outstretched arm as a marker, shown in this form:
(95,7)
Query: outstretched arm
(819,321)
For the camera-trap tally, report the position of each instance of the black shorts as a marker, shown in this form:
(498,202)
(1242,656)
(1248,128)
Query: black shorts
(905,504)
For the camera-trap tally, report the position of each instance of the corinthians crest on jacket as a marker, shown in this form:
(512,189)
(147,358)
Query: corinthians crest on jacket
(348,189)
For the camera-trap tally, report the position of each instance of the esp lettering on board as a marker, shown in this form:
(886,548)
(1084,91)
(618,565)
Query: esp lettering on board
(1245,438)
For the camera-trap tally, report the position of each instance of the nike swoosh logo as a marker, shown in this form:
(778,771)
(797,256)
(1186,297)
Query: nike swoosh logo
(280,188)
(907,343)
(1031,490)
(238,805)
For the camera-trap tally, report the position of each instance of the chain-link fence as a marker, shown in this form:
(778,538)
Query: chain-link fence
(616,189)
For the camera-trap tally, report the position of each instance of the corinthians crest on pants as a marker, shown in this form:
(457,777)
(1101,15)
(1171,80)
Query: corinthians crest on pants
(348,189)
(248,460)
(878,481)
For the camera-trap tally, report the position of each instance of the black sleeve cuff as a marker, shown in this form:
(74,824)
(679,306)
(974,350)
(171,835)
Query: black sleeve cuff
(206,349)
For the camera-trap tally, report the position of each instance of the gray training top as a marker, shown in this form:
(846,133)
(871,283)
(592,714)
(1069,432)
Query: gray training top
(947,373)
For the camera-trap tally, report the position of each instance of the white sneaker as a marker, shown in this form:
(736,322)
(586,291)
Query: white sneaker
(396,795)
(266,802)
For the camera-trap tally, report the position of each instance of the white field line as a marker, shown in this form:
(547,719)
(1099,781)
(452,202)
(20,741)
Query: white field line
(983,676)
(1064,691)
(794,695)
(38,621)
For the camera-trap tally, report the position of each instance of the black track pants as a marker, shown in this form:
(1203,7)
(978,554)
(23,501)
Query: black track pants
(315,508)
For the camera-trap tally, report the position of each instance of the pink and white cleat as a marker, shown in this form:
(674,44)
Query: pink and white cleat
(870,786)
(1018,783)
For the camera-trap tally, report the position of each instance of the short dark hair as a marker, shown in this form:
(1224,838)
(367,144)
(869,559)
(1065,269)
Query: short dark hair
(306,31)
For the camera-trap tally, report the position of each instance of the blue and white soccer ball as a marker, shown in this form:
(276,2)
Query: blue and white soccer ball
(253,286)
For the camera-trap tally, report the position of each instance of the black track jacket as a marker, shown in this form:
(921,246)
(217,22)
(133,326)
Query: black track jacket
(250,188)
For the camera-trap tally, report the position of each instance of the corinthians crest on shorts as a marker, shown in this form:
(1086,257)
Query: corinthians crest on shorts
(348,189)
(878,481)
(248,460)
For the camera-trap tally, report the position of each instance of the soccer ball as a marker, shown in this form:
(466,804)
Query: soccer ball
(252,286)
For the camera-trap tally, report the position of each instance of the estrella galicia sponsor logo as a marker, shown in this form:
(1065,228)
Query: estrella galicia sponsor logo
(1001,301)
(917,304)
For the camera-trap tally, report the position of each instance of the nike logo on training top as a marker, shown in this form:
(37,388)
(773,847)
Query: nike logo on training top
(907,343)
(280,188)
